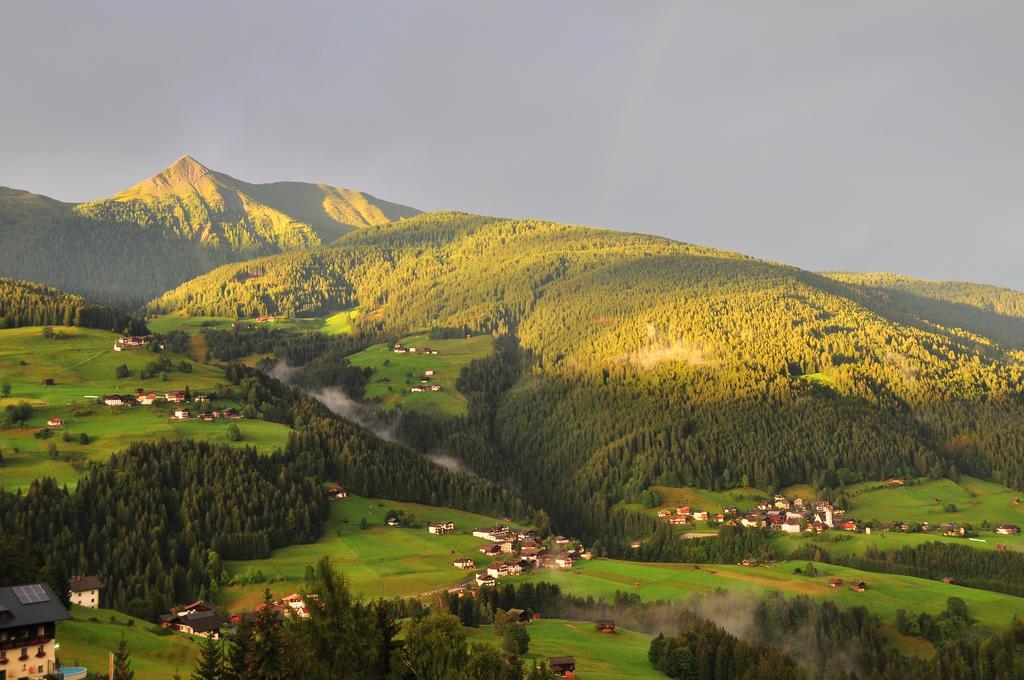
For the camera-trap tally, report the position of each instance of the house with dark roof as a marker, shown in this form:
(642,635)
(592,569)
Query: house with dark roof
(562,666)
(28,629)
(198,618)
(85,591)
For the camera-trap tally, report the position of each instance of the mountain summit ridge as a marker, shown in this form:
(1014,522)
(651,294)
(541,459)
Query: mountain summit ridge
(179,223)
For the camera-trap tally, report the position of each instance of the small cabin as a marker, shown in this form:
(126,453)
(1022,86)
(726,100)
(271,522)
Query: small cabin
(562,666)
(55,423)
(835,583)
(606,626)
(48,382)
(860,586)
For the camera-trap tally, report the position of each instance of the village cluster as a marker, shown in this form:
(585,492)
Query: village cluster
(148,398)
(510,553)
(795,516)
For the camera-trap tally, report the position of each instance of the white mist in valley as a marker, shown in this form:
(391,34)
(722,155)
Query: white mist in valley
(341,404)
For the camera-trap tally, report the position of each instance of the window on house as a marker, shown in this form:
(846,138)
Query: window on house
(3,655)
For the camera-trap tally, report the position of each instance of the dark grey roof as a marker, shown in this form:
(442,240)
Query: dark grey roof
(18,614)
(80,584)
(203,622)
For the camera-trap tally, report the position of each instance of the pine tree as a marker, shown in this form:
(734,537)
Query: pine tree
(211,661)
(123,662)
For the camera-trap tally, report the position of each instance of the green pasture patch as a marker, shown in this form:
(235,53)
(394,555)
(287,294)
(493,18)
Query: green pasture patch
(885,594)
(621,655)
(395,374)
(976,501)
(83,367)
(84,642)
(379,561)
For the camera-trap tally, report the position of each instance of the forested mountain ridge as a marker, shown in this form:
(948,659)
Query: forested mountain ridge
(991,311)
(23,303)
(178,224)
(645,360)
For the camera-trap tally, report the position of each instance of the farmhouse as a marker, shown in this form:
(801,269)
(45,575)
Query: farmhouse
(484,580)
(495,533)
(790,526)
(429,373)
(417,388)
(751,521)
(85,591)
(606,625)
(198,618)
(297,605)
(119,400)
(748,562)
(175,397)
(464,563)
(131,342)
(147,398)
(860,586)
(492,550)
(182,414)
(28,628)
(55,423)
(441,528)
(498,570)
(683,510)
(562,666)
(835,583)
(435,388)
(700,515)
(337,493)
(1007,529)
(563,562)
(392,521)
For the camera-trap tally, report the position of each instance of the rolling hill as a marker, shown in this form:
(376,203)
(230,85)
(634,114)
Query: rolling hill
(644,361)
(182,222)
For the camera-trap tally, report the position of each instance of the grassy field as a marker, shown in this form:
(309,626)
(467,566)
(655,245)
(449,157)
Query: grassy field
(394,374)
(379,561)
(154,657)
(886,593)
(341,323)
(617,656)
(82,365)
(976,501)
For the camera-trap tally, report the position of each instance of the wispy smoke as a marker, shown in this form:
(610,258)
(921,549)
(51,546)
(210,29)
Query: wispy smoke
(449,463)
(339,403)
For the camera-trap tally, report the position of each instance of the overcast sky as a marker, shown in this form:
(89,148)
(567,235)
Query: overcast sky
(830,135)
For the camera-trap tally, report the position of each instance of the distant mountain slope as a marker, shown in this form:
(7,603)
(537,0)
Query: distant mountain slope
(991,311)
(183,221)
(23,303)
(652,361)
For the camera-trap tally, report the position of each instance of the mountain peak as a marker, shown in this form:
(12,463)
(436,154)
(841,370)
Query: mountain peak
(185,168)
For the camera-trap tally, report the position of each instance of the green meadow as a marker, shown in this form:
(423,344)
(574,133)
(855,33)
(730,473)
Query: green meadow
(394,374)
(82,365)
(616,656)
(379,561)
(89,636)
(976,502)
(885,594)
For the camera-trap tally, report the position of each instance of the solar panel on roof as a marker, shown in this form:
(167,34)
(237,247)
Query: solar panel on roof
(31,594)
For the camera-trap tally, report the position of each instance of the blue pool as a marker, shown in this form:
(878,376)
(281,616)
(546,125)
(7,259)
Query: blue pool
(74,672)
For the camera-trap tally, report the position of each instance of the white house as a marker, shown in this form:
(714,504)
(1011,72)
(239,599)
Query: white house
(85,591)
